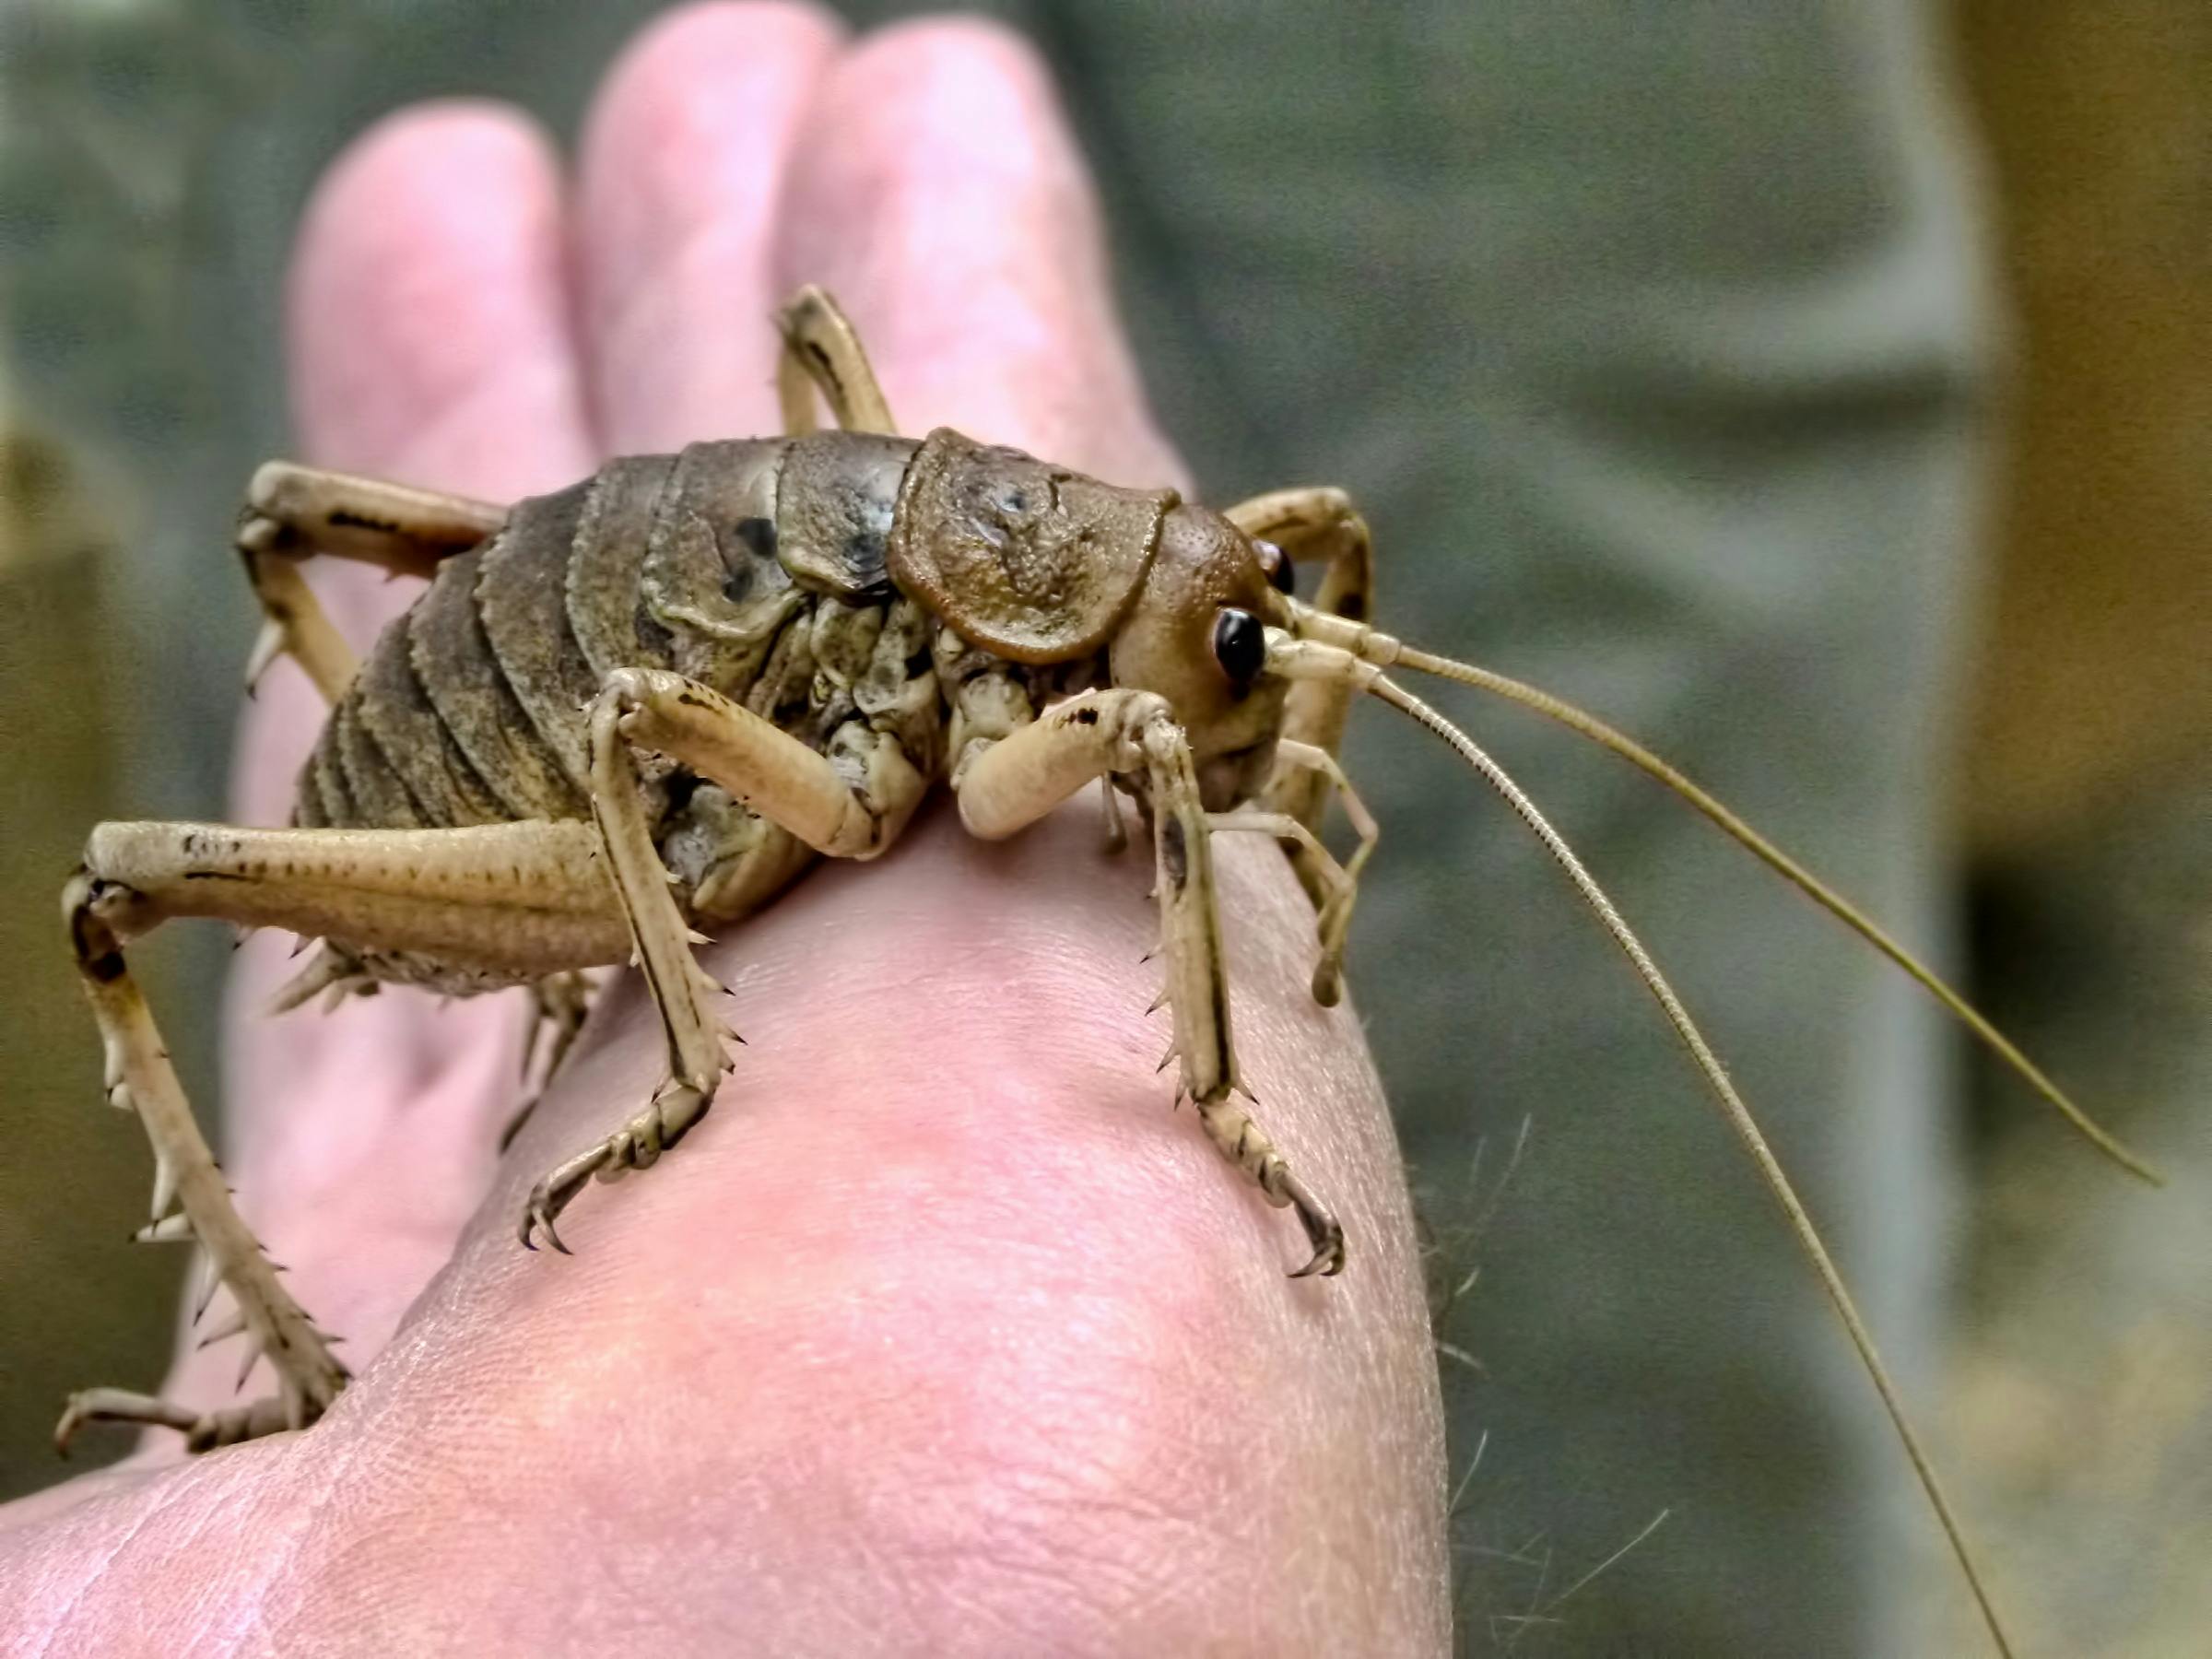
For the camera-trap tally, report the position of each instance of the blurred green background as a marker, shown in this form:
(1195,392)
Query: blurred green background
(1298,199)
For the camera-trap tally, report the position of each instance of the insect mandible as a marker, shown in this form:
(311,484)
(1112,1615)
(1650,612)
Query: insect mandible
(648,701)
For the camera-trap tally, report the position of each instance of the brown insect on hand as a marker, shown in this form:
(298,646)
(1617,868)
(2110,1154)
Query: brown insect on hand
(639,707)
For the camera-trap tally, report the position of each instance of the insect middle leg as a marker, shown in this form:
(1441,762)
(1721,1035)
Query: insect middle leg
(1015,782)
(796,788)
(507,900)
(294,512)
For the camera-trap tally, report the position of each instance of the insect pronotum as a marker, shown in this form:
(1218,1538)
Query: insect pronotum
(649,700)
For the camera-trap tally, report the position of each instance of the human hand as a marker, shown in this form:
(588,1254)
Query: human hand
(942,1333)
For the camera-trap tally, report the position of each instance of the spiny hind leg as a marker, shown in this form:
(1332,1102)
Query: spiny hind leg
(295,512)
(1023,776)
(796,788)
(516,901)
(191,1202)
(821,349)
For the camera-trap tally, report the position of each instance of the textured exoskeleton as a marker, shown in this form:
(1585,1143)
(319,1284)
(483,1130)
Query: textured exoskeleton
(642,704)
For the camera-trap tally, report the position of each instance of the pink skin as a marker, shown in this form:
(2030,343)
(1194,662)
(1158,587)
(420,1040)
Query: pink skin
(944,1333)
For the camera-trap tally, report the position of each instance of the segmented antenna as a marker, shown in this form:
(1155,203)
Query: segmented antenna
(1732,1108)
(1387,652)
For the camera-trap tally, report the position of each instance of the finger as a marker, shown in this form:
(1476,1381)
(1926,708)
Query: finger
(683,162)
(938,192)
(428,343)
(429,307)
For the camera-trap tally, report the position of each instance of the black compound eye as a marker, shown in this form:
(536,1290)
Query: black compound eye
(1277,564)
(1240,645)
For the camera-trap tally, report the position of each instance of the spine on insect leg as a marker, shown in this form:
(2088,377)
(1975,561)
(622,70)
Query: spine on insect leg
(1197,975)
(191,1200)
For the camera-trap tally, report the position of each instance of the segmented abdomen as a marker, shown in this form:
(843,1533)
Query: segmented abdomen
(470,709)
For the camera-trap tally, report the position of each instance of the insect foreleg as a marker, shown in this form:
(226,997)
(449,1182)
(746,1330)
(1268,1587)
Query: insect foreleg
(294,512)
(821,349)
(1313,524)
(1018,780)
(1334,905)
(769,771)
(1339,884)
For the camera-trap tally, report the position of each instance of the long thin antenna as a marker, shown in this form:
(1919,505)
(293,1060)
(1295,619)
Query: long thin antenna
(1732,1108)
(1386,651)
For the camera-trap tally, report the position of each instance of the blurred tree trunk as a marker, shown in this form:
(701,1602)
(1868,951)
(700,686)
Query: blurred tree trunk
(2082,1401)
(61,1223)
(2098,665)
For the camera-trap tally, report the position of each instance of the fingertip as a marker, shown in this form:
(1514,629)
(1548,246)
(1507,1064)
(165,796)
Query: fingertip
(956,114)
(440,129)
(967,75)
(682,165)
(428,277)
(428,342)
(665,80)
(979,279)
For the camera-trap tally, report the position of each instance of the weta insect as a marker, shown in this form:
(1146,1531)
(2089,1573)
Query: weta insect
(648,701)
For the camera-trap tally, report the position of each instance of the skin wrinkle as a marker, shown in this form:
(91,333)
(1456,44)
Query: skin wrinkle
(100,1568)
(975,1537)
(177,1507)
(294,1526)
